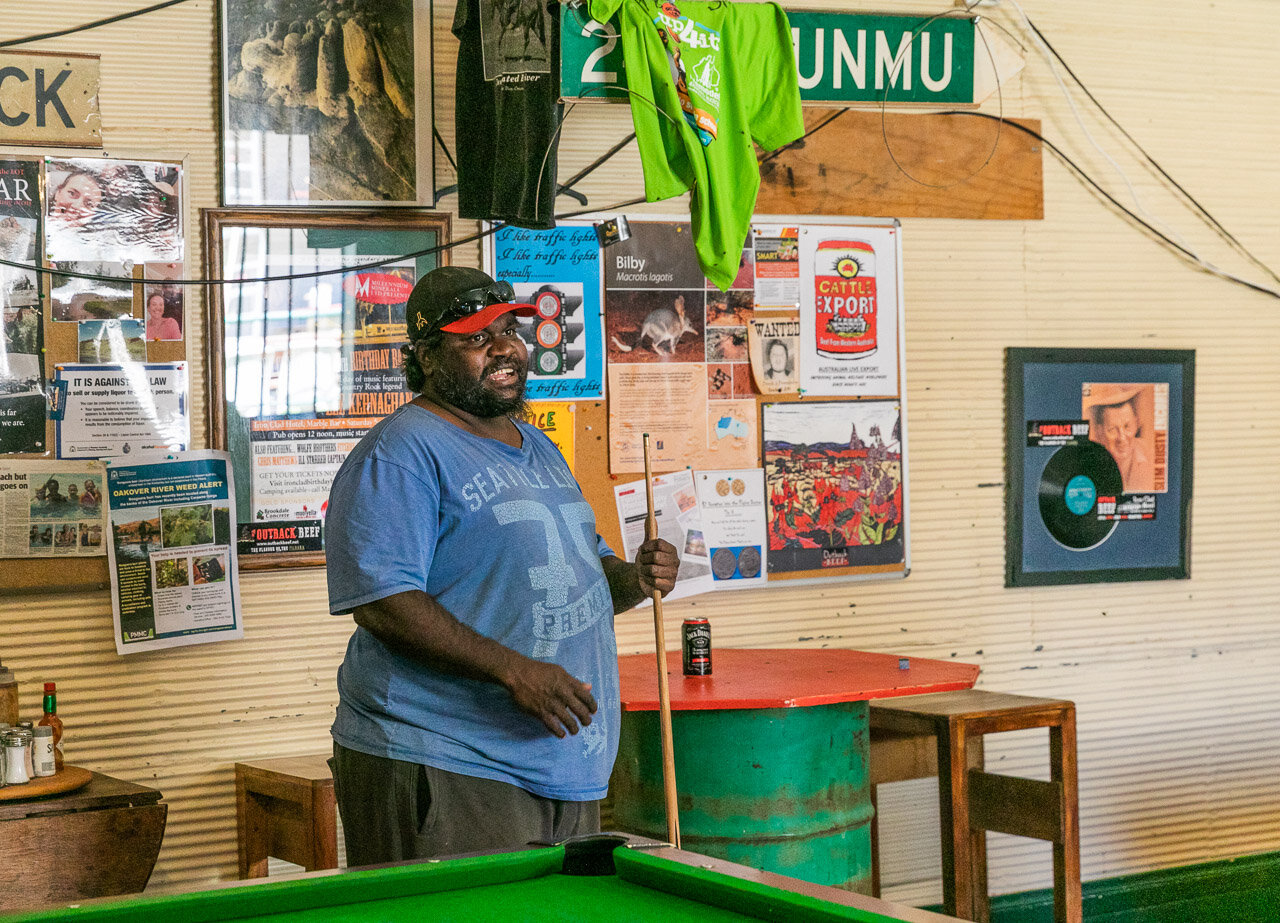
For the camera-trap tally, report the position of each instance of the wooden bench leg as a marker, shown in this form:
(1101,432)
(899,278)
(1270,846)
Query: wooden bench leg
(324,828)
(1067,901)
(251,833)
(953,818)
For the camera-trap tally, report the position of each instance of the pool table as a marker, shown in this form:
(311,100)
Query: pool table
(605,877)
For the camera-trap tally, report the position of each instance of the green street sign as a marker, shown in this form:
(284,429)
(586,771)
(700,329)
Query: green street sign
(841,58)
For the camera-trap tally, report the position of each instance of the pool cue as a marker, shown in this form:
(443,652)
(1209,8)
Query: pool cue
(664,693)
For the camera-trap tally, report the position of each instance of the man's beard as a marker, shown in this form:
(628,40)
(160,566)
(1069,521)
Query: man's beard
(473,397)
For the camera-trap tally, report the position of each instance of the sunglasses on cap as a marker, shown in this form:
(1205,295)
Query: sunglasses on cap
(475,300)
(474,309)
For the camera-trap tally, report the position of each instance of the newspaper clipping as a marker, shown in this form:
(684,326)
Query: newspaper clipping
(51,509)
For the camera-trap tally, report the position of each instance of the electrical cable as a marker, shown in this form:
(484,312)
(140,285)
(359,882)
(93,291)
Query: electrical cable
(387,261)
(1132,216)
(119,17)
(1204,212)
(444,147)
(884,100)
(1075,112)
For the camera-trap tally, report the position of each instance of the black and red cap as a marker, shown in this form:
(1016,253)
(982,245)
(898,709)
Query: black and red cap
(460,299)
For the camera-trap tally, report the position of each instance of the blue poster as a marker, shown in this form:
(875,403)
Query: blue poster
(1099,455)
(557,271)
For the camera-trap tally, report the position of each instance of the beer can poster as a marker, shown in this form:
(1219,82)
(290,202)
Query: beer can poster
(849,310)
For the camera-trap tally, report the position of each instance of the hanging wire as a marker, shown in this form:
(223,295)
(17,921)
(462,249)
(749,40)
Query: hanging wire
(1203,212)
(119,17)
(1115,203)
(995,142)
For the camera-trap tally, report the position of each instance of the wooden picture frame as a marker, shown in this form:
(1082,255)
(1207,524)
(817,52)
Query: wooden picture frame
(303,357)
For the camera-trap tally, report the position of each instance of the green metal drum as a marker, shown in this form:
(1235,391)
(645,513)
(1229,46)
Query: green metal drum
(781,789)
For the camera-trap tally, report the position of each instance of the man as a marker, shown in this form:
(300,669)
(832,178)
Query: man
(478,701)
(1116,424)
(778,361)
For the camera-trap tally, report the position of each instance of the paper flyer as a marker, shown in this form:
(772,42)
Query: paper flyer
(557,271)
(123,409)
(294,463)
(675,508)
(777,267)
(774,346)
(849,310)
(22,398)
(174,579)
(51,509)
(734,526)
(556,419)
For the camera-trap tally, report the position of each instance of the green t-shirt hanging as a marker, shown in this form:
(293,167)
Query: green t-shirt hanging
(720,75)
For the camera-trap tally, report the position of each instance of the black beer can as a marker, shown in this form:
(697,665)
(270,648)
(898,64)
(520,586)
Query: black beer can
(696,645)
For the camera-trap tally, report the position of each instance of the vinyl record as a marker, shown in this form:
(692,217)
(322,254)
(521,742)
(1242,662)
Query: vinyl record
(1074,478)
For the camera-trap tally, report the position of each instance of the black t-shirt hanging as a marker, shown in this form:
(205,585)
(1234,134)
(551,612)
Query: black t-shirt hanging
(507,110)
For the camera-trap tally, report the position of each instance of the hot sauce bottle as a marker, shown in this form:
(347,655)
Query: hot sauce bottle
(51,720)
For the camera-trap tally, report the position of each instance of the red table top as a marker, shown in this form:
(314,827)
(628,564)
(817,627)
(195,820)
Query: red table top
(783,678)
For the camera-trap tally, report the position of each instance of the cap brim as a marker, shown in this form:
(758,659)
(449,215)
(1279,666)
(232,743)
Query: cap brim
(481,319)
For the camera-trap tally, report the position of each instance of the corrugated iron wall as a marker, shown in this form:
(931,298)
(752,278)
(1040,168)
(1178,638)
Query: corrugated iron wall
(1178,726)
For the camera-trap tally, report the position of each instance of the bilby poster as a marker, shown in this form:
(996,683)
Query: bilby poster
(677,354)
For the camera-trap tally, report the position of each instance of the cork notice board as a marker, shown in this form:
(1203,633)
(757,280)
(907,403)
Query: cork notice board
(118,304)
(835,498)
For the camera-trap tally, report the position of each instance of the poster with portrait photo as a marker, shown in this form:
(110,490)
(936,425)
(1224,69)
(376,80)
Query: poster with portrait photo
(1131,421)
(119,210)
(774,348)
(1099,450)
(163,301)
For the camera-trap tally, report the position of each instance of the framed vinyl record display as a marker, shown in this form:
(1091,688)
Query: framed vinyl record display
(1098,464)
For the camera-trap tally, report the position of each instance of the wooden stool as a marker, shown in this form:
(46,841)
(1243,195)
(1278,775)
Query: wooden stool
(941,734)
(285,808)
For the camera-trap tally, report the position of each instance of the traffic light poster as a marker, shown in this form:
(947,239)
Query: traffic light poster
(557,271)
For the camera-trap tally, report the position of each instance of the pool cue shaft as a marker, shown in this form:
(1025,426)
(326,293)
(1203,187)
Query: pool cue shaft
(664,693)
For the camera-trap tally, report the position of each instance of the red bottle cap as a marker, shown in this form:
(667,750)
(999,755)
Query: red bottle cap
(50,687)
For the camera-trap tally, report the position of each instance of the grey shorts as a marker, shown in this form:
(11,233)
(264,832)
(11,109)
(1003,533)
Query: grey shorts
(393,810)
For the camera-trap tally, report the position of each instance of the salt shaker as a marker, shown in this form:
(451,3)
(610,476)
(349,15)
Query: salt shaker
(15,758)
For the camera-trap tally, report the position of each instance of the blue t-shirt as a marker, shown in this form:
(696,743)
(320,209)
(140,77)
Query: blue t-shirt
(503,539)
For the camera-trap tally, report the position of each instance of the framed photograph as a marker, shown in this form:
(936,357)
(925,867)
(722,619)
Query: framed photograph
(326,103)
(304,354)
(1098,464)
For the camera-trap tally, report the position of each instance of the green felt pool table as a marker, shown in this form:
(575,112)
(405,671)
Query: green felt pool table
(607,877)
